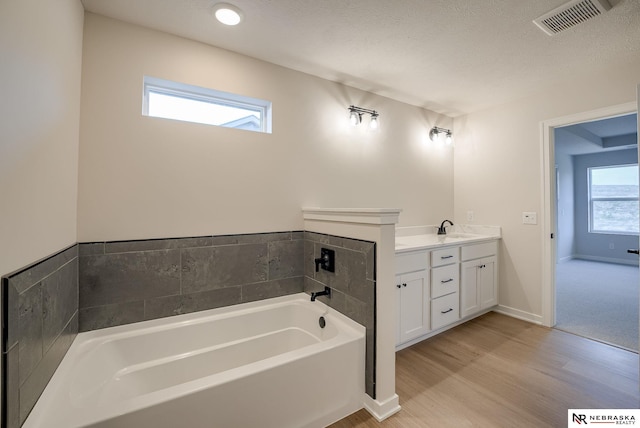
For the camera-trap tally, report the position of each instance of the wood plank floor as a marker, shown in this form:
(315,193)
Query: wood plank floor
(497,371)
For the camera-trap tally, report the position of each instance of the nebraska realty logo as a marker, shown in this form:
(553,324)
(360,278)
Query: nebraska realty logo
(599,417)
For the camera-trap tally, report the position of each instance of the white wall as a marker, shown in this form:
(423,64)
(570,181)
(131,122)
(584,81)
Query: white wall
(40,64)
(498,172)
(565,215)
(565,229)
(40,51)
(143,177)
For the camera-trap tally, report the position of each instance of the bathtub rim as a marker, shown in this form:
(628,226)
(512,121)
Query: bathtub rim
(158,324)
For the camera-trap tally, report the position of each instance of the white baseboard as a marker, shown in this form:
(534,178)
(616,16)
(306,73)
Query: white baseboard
(606,260)
(517,313)
(381,410)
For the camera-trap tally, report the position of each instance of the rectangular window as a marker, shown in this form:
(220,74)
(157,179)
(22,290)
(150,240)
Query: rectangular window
(179,101)
(613,199)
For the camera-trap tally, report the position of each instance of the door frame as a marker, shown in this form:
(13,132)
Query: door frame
(548,195)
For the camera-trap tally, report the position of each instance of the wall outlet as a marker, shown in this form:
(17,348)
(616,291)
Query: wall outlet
(529,218)
(470,216)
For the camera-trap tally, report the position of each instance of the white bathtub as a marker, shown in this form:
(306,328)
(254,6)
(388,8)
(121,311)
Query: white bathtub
(261,364)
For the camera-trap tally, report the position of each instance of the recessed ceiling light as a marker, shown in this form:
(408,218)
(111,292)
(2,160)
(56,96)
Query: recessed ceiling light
(227,13)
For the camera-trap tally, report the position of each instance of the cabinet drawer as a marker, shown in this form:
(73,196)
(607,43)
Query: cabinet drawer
(445,310)
(479,250)
(412,262)
(446,256)
(444,280)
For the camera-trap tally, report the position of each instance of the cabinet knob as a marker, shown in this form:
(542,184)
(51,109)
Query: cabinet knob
(399,286)
(447,311)
(444,281)
(404,284)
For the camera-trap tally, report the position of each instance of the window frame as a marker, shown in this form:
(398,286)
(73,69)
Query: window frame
(591,200)
(207,95)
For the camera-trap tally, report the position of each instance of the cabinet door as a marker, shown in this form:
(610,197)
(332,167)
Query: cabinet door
(413,309)
(469,296)
(488,285)
(478,287)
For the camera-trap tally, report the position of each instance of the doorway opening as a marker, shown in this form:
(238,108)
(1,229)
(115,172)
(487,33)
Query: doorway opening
(596,222)
(592,283)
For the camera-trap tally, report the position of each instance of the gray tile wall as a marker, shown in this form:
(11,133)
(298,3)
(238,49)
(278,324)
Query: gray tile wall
(353,285)
(40,322)
(130,281)
(95,285)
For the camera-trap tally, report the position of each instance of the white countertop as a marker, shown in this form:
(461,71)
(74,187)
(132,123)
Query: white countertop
(460,235)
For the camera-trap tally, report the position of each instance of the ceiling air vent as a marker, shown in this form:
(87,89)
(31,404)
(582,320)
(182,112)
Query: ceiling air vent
(570,14)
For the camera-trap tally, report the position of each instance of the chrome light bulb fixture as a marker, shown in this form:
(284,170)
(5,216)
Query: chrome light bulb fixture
(434,135)
(373,123)
(355,116)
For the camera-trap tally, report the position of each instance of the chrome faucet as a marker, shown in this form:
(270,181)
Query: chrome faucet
(441,229)
(326,292)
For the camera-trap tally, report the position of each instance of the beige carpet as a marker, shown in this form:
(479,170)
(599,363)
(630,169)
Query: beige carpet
(599,301)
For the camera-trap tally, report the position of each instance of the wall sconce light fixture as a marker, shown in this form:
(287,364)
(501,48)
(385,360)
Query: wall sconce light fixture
(355,116)
(434,135)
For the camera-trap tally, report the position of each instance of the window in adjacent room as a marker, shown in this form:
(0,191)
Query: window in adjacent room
(613,199)
(179,101)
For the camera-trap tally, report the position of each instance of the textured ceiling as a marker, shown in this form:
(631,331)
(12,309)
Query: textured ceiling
(450,56)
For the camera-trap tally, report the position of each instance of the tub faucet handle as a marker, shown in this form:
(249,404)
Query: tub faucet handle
(321,261)
(326,261)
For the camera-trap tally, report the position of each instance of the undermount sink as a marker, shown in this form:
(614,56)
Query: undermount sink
(458,236)
(405,243)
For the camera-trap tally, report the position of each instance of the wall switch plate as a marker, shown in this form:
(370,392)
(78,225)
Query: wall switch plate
(529,218)
(470,216)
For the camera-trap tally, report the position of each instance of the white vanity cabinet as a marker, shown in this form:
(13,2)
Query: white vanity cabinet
(412,295)
(478,278)
(441,283)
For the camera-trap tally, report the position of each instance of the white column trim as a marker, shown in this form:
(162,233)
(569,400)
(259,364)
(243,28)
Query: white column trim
(377,225)
(353,215)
